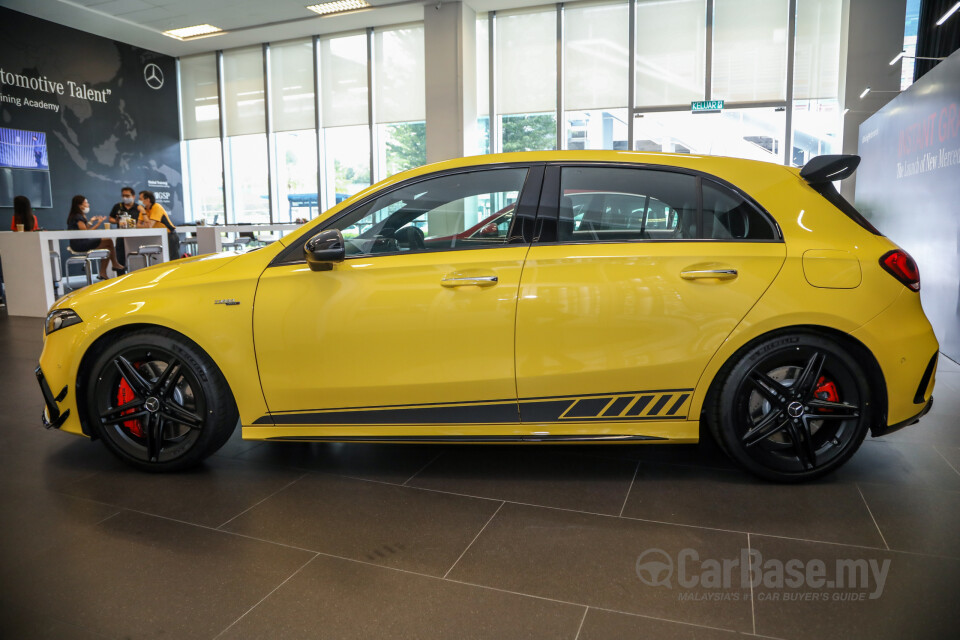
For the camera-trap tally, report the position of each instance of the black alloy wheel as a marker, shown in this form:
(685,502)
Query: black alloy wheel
(159,402)
(793,408)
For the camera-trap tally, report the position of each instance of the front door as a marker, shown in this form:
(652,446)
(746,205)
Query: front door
(416,326)
(632,289)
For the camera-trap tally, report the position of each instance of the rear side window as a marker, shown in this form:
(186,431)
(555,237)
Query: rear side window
(728,216)
(613,204)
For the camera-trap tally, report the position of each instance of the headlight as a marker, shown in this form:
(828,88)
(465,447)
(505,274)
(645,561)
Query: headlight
(60,318)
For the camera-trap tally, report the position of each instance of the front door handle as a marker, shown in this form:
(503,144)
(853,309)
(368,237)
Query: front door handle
(465,280)
(715,274)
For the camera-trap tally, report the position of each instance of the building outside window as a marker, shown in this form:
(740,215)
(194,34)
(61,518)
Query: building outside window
(526,61)
(400,104)
(293,112)
(596,71)
(246,126)
(346,127)
(200,113)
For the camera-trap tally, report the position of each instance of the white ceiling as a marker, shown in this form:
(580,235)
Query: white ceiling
(141,22)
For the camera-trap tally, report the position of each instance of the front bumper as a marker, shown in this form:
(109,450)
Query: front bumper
(51,416)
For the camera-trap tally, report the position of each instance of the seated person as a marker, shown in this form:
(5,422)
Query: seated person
(77,221)
(127,205)
(152,215)
(23,214)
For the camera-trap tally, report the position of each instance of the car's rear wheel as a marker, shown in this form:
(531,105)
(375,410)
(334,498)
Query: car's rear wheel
(158,401)
(793,407)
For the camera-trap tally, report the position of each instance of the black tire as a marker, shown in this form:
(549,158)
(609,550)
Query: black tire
(175,410)
(792,407)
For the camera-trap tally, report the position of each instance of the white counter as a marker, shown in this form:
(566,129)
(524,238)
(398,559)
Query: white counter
(28,274)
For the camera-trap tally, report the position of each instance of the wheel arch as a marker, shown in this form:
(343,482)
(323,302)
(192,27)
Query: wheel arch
(97,346)
(857,348)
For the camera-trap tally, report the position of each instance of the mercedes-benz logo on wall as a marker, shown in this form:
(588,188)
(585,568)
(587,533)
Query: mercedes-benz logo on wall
(153,76)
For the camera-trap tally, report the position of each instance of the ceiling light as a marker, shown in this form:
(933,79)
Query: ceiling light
(196,31)
(339,6)
(897,59)
(952,10)
(865,92)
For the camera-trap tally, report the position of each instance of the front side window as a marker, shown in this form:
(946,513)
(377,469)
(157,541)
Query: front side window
(463,210)
(609,204)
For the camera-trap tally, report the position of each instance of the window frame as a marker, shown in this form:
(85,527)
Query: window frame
(548,212)
(520,231)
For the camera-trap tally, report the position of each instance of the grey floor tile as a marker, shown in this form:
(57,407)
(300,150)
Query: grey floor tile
(139,576)
(19,622)
(919,520)
(532,475)
(32,519)
(608,625)
(209,495)
(607,562)
(383,462)
(395,526)
(831,512)
(884,461)
(917,599)
(52,459)
(951,455)
(335,598)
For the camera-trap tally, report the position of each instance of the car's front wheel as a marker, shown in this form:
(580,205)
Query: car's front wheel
(158,401)
(793,407)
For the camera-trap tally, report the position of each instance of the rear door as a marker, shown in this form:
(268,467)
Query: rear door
(635,278)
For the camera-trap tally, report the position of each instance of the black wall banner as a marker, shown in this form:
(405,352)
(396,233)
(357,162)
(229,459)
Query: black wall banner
(908,184)
(81,114)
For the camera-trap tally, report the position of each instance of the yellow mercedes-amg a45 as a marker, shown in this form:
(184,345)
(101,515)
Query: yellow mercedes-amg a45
(536,297)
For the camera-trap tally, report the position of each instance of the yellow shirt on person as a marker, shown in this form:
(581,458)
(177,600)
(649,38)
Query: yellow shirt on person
(156,214)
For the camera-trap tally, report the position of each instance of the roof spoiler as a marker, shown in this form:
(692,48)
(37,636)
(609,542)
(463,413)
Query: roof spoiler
(823,169)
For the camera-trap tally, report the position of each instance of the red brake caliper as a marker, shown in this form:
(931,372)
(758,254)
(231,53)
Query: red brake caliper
(826,390)
(124,395)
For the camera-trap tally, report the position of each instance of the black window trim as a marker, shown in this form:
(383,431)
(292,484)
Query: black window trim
(527,206)
(548,211)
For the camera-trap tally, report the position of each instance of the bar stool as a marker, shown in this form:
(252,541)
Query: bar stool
(86,259)
(189,246)
(232,246)
(148,253)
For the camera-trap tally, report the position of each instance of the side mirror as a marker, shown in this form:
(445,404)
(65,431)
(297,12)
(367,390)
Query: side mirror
(323,249)
(489,230)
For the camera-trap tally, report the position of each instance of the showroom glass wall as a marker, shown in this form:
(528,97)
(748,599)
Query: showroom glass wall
(283,150)
(621,75)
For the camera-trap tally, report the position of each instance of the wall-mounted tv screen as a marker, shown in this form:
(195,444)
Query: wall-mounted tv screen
(24,167)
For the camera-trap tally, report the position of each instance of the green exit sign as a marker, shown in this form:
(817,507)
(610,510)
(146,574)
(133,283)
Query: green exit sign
(706,106)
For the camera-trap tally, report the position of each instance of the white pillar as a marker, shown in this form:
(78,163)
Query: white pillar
(450,31)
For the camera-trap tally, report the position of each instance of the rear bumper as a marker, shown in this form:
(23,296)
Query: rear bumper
(882,430)
(52,417)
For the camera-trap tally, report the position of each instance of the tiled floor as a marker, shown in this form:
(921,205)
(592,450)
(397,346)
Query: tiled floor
(364,541)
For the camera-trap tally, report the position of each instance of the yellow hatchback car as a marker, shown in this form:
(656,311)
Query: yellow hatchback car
(630,297)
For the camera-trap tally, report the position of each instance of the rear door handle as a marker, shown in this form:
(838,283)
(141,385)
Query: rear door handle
(716,274)
(464,280)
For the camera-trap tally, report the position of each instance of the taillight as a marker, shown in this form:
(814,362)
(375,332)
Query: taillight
(901,266)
